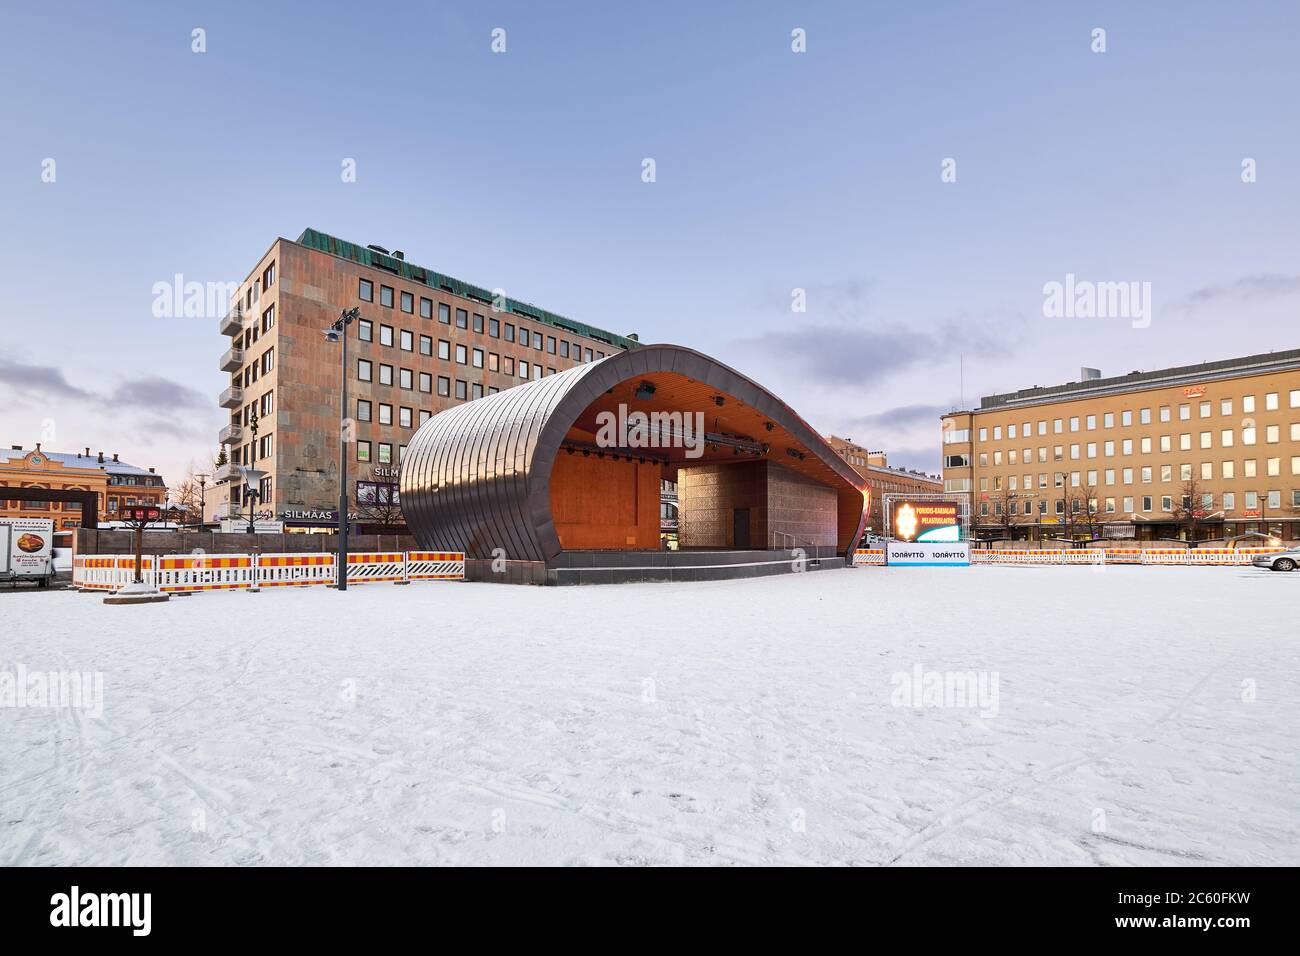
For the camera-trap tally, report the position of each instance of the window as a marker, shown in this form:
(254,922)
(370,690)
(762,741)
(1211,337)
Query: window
(268,404)
(1225,406)
(1270,402)
(1126,418)
(1184,442)
(385,375)
(268,360)
(404,417)
(1166,443)
(1184,412)
(386,335)
(363,410)
(385,453)
(405,379)
(1146,501)
(425,415)
(550,344)
(363,451)
(523,369)
(478,358)
(386,296)
(1207,440)
(426,345)
(444,350)
(1273,467)
(1144,416)
(510,332)
(478,323)
(462,355)
(1248,435)
(1294,397)
(1248,404)
(1164,413)
(1205,409)
(407,341)
(408,302)
(1272,434)
(1108,420)
(1057,426)
(462,319)
(461,390)
(494,328)
(365,330)
(494,362)
(1225,438)
(476,390)
(426,308)
(444,385)
(363,370)
(444,313)
(366,291)
(426,382)
(1229,501)
(523,336)
(1248,468)
(1166,502)
(1229,469)
(507,365)
(265,446)
(268,276)
(385,414)
(268,319)
(564,352)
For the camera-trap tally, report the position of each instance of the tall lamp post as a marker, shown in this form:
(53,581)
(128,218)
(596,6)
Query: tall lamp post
(203,499)
(252,492)
(338,332)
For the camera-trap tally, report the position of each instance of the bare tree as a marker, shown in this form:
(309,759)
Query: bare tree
(1087,515)
(1188,511)
(379,504)
(187,499)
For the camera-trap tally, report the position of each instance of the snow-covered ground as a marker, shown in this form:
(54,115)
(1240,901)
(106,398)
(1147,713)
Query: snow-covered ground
(1143,716)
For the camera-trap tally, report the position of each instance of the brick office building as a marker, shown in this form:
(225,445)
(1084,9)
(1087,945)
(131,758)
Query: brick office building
(424,342)
(1199,452)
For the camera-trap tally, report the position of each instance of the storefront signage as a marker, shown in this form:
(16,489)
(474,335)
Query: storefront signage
(1195,391)
(386,471)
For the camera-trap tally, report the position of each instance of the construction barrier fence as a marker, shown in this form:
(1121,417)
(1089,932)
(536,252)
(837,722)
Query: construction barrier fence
(1094,556)
(190,573)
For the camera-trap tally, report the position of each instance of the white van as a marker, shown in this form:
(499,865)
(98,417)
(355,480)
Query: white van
(27,550)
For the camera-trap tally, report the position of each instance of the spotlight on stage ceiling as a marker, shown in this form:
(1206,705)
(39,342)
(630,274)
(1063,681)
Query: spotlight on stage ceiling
(644,391)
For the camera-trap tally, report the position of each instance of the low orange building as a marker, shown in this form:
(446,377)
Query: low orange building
(115,482)
(882,479)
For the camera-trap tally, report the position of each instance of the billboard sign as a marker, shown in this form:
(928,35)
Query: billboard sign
(925,521)
(923,554)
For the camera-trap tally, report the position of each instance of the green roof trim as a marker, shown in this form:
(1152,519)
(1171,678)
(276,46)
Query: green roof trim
(323,242)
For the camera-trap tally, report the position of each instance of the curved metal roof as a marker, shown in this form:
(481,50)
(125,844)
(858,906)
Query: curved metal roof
(477,477)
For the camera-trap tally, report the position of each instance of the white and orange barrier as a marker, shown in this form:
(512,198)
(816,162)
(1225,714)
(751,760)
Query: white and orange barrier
(280,570)
(377,567)
(107,572)
(1097,556)
(201,572)
(434,565)
(212,572)
(1043,556)
(868,556)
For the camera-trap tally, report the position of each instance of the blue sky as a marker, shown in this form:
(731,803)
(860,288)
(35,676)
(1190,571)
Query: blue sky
(775,171)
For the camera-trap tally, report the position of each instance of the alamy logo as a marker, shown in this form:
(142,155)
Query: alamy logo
(950,689)
(1084,299)
(102,909)
(637,429)
(53,690)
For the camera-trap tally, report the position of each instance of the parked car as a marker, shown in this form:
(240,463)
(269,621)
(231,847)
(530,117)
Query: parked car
(1287,560)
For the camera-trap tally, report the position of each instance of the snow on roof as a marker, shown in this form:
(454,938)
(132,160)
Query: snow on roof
(77,461)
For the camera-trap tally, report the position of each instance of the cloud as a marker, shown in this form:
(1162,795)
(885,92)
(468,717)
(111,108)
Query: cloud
(1264,285)
(156,394)
(149,393)
(863,356)
(42,380)
(901,417)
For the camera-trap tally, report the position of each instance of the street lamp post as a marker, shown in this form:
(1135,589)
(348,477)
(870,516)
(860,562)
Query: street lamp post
(252,492)
(338,332)
(203,499)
